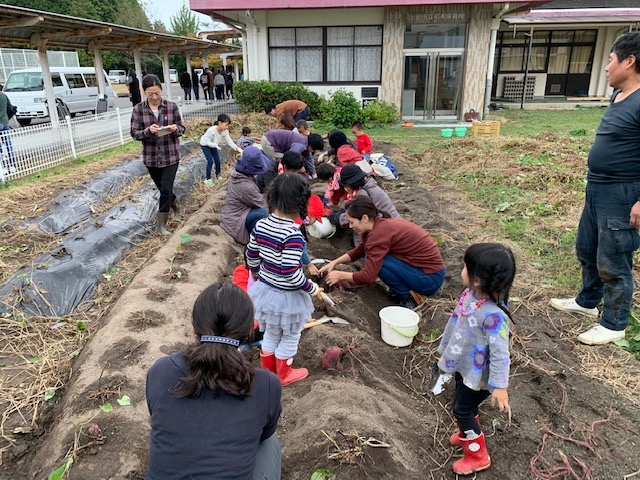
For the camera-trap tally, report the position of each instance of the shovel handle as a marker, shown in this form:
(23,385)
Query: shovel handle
(315,323)
(327,299)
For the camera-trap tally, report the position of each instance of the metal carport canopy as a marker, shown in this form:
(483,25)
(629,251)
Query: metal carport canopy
(37,29)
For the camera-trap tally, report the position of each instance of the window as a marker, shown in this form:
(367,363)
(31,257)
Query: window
(74,80)
(552,52)
(90,79)
(326,54)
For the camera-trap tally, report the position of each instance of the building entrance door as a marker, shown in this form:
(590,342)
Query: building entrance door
(432,85)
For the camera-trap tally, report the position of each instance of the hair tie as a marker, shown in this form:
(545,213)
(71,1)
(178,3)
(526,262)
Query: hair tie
(214,339)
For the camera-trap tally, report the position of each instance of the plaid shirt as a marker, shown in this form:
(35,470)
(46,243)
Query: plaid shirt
(157,151)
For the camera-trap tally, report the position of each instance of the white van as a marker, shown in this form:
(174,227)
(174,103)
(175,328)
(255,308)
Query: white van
(75,87)
(117,76)
(173,75)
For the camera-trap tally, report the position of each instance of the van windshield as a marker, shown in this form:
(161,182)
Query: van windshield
(24,82)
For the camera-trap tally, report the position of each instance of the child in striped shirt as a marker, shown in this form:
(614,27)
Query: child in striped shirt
(281,294)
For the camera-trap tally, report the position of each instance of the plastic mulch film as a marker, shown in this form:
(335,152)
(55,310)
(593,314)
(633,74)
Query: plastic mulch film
(61,280)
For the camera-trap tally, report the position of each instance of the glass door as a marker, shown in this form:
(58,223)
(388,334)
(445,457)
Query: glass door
(432,85)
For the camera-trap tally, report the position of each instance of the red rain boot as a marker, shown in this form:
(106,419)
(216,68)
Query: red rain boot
(287,374)
(475,457)
(268,361)
(454,440)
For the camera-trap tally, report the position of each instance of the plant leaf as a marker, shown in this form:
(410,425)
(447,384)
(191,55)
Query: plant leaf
(622,343)
(75,353)
(49,394)
(322,474)
(186,238)
(125,401)
(35,360)
(107,408)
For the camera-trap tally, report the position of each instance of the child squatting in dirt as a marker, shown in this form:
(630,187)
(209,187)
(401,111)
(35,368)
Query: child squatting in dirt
(475,348)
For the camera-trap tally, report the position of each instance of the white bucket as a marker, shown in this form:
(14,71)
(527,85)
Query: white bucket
(398,326)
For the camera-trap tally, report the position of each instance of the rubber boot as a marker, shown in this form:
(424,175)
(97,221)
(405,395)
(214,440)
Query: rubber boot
(475,457)
(268,361)
(288,375)
(454,440)
(175,206)
(161,222)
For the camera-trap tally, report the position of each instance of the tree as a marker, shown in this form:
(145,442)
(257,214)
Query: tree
(185,22)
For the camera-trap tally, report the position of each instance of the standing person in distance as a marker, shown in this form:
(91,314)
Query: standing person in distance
(213,415)
(134,87)
(7,111)
(204,81)
(475,348)
(195,81)
(157,123)
(220,82)
(610,222)
(185,83)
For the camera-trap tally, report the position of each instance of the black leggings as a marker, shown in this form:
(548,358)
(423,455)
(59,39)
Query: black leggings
(163,178)
(465,405)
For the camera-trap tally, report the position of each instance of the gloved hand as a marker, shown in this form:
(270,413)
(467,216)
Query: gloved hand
(334,217)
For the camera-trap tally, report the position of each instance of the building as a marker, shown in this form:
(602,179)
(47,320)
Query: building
(568,44)
(434,61)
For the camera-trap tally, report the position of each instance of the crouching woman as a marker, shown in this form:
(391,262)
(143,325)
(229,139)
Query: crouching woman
(403,255)
(212,414)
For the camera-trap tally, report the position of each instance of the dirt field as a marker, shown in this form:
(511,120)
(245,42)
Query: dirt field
(575,410)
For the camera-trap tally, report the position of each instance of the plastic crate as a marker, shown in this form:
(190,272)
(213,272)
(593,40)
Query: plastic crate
(486,128)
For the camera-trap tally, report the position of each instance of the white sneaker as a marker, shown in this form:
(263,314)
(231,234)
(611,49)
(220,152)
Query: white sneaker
(209,182)
(600,335)
(570,305)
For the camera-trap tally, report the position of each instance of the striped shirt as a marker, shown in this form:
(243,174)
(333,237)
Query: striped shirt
(275,253)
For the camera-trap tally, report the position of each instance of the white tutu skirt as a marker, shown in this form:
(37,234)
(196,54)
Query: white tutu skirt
(285,309)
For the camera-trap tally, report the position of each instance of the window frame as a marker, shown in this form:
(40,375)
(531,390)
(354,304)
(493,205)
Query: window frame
(325,49)
(542,39)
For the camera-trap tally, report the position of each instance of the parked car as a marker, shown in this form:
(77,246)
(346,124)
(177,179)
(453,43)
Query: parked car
(173,75)
(117,76)
(75,88)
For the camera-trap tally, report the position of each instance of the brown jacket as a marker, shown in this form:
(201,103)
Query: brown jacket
(292,107)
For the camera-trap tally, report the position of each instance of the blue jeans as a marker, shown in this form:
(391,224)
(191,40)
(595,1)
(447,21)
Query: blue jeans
(401,277)
(605,246)
(302,115)
(5,132)
(253,216)
(213,156)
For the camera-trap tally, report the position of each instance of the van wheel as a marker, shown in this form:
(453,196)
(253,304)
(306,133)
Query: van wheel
(73,115)
(24,121)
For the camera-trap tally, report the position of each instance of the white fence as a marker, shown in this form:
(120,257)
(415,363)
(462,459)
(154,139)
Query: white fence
(28,150)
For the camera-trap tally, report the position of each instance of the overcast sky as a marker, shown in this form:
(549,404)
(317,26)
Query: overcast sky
(163,10)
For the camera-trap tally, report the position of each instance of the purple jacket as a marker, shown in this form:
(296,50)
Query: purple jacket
(282,139)
(242,196)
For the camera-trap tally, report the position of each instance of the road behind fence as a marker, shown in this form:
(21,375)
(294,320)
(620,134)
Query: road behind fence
(28,150)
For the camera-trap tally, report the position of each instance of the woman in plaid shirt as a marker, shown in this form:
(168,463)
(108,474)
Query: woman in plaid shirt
(158,124)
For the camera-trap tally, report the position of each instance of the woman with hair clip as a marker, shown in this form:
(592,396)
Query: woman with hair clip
(403,255)
(213,415)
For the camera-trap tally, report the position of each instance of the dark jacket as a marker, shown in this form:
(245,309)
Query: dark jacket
(185,80)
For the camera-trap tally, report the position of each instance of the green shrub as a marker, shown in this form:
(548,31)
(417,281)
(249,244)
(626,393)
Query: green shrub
(379,111)
(342,110)
(254,96)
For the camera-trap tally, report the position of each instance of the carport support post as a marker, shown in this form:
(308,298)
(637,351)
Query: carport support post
(46,77)
(97,61)
(187,56)
(165,71)
(137,61)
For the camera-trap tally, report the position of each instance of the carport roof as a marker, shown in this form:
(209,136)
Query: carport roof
(22,26)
